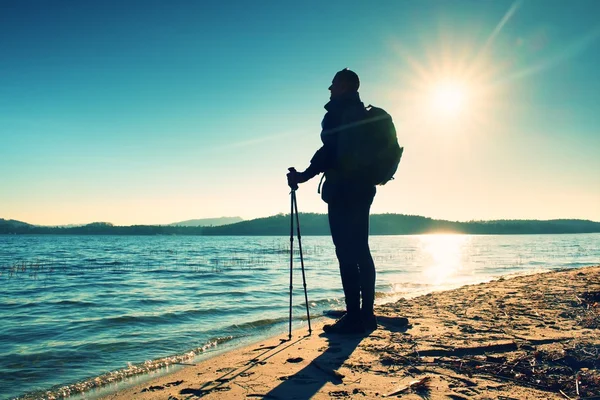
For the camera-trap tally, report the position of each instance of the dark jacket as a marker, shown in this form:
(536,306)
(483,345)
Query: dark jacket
(341,112)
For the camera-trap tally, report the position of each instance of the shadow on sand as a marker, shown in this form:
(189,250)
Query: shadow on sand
(219,384)
(308,381)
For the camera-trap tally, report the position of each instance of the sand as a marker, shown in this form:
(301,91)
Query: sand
(527,337)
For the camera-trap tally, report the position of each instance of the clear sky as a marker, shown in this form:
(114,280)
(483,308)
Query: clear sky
(149,112)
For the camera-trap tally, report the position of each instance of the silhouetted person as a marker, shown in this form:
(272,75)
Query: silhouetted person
(349,201)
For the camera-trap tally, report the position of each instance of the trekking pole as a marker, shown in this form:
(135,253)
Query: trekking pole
(291,256)
(295,203)
(294,209)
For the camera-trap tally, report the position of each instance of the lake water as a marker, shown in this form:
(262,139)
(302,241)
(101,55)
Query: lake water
(88,310)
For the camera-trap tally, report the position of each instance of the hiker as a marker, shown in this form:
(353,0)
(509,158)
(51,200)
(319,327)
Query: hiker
(349,201)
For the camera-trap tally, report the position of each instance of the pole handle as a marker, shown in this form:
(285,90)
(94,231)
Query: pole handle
(293,186)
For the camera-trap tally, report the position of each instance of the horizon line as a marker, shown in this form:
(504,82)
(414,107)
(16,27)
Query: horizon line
(281,213)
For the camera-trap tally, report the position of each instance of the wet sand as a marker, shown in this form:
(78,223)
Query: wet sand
(527,337)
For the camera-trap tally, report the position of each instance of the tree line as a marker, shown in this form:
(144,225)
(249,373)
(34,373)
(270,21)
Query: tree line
(316,224)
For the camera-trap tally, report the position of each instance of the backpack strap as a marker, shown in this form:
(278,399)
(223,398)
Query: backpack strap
(320,182)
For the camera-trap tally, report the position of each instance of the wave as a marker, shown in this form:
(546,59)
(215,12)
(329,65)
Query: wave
(48,358)
(579,264)
(163,318)
(321,303)
(146,301)
(257,324)
(36,304)
(114,377)
(167,317)
(77,303)
(317,309)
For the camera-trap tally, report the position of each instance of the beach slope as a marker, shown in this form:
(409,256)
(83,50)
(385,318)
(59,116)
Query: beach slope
(527,337)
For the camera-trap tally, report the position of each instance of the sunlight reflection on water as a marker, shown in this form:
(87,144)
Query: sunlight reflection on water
(443,257)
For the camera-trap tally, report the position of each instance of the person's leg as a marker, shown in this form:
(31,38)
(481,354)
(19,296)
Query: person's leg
(359,215)
(351,238)
(341,223)
(366,264)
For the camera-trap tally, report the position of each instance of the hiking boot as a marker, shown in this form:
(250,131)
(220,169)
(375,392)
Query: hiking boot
(347,325)
(369,322)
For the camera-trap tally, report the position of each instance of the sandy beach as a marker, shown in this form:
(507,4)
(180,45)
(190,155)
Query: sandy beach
(526,337)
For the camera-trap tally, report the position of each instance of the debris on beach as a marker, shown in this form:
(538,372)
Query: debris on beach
(416,386)
(542,340)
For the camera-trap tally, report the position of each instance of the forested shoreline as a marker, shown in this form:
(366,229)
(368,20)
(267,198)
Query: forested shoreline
(316,224)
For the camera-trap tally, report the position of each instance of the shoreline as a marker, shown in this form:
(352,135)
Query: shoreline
(460,343)
(136,374)
(113,381)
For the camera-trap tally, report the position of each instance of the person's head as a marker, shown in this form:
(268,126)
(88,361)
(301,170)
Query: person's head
(345,81)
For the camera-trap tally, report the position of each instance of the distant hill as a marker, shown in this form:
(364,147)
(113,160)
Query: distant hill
(13,222)
(316,224)
(400,224)
(208,221)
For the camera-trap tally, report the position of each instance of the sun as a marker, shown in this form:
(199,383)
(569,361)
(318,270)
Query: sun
(449,98)
(449,84)
(448,89)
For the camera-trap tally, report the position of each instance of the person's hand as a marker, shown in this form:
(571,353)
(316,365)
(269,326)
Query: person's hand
(294,178)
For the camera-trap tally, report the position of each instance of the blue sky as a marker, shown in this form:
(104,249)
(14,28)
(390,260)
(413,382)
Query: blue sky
(154,111)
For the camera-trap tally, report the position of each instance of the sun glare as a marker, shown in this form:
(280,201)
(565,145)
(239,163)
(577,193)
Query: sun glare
(449,98)
(451,88)
(445,255)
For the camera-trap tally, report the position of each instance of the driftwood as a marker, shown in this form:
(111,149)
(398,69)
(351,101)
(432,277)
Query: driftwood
(414,385)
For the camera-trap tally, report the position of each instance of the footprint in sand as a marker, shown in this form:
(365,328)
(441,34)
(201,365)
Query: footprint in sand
(158,387)
(152,389)
(202,392)
(339,393)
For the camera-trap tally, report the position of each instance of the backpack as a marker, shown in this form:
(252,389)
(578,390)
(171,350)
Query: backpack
(368,149)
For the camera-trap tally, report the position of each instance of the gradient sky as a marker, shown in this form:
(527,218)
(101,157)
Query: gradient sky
(148,112)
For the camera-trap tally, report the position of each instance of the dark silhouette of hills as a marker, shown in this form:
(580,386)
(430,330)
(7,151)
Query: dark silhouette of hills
(14,223)
(400,224)
(316,224)
(208,221)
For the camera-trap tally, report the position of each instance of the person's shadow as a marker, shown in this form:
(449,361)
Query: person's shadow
(308,381)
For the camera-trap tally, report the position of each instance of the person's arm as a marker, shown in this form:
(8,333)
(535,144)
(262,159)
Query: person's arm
(321,161)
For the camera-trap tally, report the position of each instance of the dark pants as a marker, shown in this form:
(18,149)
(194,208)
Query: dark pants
(349,224)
